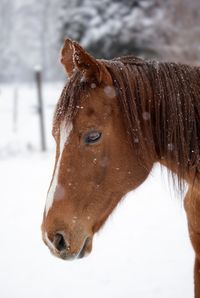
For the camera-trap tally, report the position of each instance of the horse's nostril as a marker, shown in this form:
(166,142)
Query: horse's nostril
(59,242)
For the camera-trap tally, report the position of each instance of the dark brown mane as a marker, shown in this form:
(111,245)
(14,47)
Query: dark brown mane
(166,96)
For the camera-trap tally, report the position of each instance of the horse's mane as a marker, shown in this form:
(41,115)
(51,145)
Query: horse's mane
(168,92)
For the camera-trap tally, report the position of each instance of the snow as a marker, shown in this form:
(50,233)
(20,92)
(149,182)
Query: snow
(142,251)
(110,91)
(33,33)
(146,116)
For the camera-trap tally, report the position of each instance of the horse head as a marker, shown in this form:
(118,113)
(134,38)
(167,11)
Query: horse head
(95,163)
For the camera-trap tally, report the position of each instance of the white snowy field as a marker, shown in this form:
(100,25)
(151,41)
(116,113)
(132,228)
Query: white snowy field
(143,251)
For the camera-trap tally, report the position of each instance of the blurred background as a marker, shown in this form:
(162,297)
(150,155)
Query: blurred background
(32,32)
(148,259)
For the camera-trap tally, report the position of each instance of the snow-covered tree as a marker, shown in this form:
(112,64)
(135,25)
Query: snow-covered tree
(32,32)
(112,28)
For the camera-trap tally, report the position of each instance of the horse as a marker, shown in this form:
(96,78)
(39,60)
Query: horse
(114,120)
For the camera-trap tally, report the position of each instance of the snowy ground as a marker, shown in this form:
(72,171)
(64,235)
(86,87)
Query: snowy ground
(143,251)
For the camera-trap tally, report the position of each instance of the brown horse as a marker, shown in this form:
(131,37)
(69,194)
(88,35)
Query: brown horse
(113,121)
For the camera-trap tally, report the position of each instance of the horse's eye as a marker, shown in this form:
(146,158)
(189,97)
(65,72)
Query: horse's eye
(92,137)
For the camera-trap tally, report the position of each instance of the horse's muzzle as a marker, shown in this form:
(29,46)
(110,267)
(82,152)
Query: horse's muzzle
(60,246)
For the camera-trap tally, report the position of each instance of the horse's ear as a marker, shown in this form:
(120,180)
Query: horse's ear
(73,56)
(67,54)
(92,69)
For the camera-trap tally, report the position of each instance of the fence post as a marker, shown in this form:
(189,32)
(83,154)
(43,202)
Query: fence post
(38,78)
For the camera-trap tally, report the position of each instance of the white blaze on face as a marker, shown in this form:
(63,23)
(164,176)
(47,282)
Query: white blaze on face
(64,136)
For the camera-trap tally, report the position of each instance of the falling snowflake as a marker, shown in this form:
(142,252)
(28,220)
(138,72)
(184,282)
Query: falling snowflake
(146,116)
(109,91)
(170,147)
(93,85)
